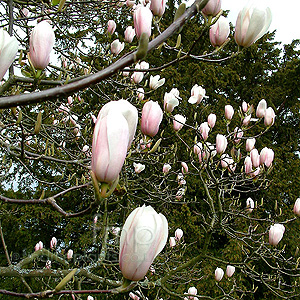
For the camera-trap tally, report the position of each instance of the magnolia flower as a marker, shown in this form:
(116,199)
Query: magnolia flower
(211,120)
(158,7)
(116,47)
(156,82)
(113,134)
(219,273)
(221,143)
(184,168)
(255,159)
(197,94)
(192,291)
(152,116)
(261,108)
(248,165)
(143,237)
(178,122)
(276,234)
(230,270)
(140,93)
(244,106)
(172,242)
(144,65)
(266,156)
(142,18)
(229,111)
(251,24)
(296,209)
(166,168)
(39,246)
(111,26)
(219,32)
(129,34)
(53,243)
(138,168)
(250,144)
(204,130)
(212,8)
(238,134)
(8,51)
(178,234)
(170,101)
(41,44)
(269,117)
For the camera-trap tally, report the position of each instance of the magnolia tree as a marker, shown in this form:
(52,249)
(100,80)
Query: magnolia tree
(86,135)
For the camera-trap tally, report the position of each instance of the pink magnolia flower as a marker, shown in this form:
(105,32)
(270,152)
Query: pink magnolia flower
(248,165)
(204,130)
(116,47)
(244,106)
(219,273)
(158,7)
(211,120)
(229,111)
(276,234)
(8,51)
(134,296)
(192,291)
(171,100)
(178,122)
(143,237)
(138,168)
(129,34)
(269,117)
(197,94)
(53,243)
(137,77)
(152,116)
(130,3)
(219,32)
(142,18)
(250,144)
(140,93)
(166,168)
(184,168)
(296,209)
(109,148)
(41,44)
(178,234)
(113,134)
(111,26)
(156,82)
(247,120)
(255,159)
(172,242)
(221,143)
(230,270)
(261,108)
(238,134)
(266,156)
(212,8)
(251,24)
(38,246)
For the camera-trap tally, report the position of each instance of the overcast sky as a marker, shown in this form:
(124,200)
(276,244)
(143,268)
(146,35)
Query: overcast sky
(285,16)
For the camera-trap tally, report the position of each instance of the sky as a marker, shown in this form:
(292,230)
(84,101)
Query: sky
(285,16)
